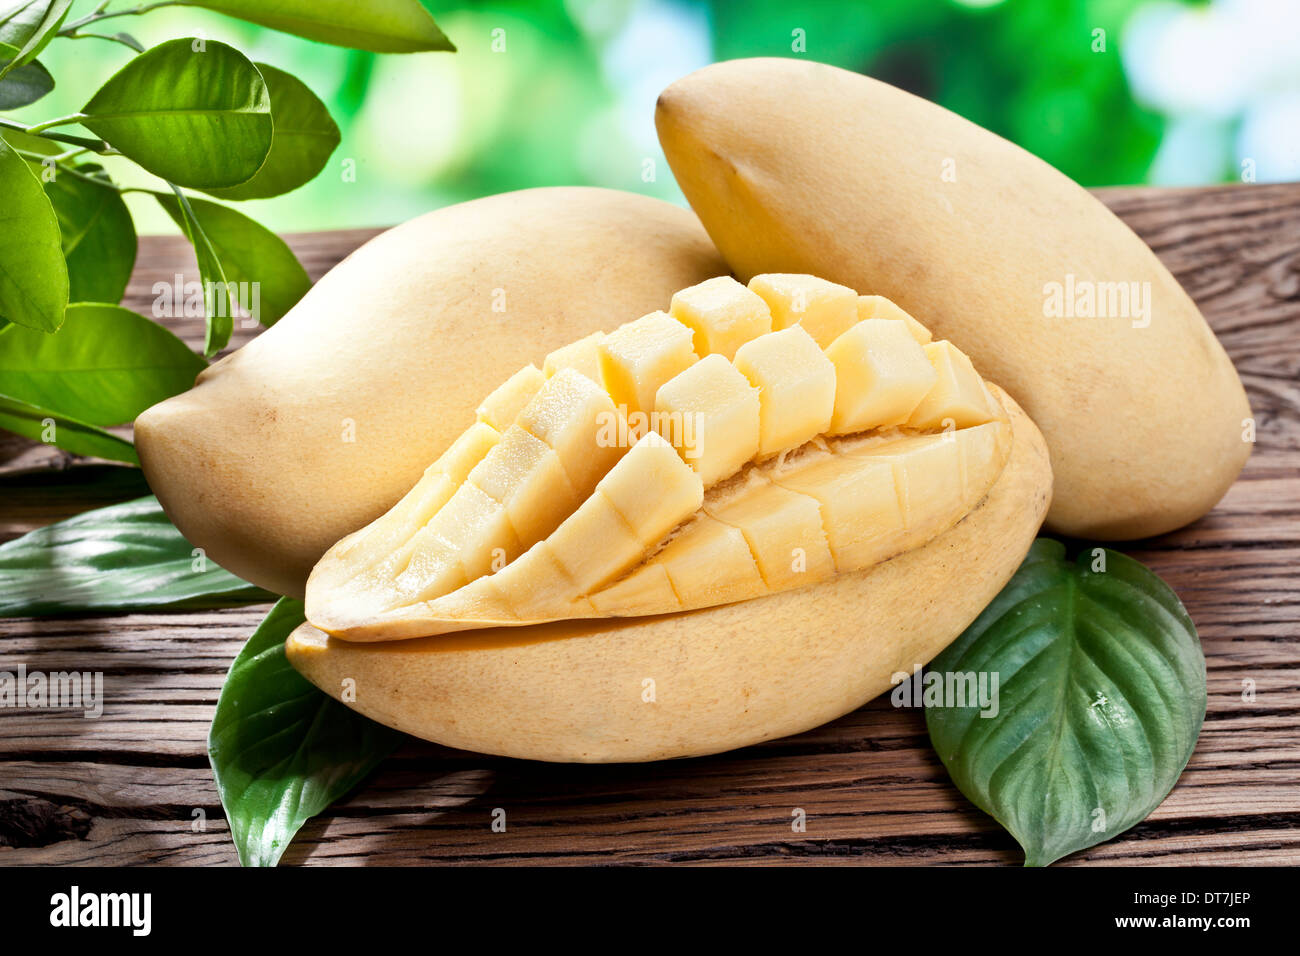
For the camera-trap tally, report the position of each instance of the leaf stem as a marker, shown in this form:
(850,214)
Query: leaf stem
(99,13)
(111,37)
(40,128)
(94,145)
(73,171)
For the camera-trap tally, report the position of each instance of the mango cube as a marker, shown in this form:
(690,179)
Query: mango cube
(646,590)
(824,309)
(532,584)
(595,544)
(710,561)
(796,387)
(927,471)
(881,375)
(859,504)
(582,356)
(508,399)
(524,474)
(958,395)
(570,413)
(652,489)
(723,314)
(636,358)
(784,531)
(878,307)
(710,414)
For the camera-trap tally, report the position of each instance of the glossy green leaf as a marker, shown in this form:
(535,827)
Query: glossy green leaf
(305,135)
(25,84)
(383,26)
(33,276)
(117,558)
(30,25)
(271,278)
(217,306)
(106,365)
(99,241)
(1100,699)
(55,428)
(282,750)
(195,112)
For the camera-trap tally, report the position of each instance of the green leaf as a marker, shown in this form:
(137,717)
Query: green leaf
(55,428)
(198,118)
(249,253)
(25,84)
(106,365)
(99,241)
(117,558)
(33,275)
(281,750)
(216,295)
(1100,699)
(382,26)
(29,26)
(305,135)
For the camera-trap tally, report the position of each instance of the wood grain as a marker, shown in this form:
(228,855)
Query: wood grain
(872,789)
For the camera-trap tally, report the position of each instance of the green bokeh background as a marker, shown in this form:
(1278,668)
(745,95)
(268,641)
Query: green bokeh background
(570,97)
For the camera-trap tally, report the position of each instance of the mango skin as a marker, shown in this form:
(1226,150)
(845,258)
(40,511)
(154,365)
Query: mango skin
(795,166)
(398,343)
(724,677)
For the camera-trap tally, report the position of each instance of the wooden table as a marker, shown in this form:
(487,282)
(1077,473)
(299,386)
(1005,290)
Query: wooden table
(129,787)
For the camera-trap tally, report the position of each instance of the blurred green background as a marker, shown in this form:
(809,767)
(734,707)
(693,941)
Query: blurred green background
(552,92)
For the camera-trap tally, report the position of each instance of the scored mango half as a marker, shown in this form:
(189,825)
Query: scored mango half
(750,440)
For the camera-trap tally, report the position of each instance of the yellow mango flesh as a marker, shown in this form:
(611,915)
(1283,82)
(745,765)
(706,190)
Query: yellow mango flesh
(582,356)
(1050,294)
(881,375)
(723,314)
(878,307)
(323,422)
(796,387)
(710,413)
(824,310)
(636,358)
(725,676)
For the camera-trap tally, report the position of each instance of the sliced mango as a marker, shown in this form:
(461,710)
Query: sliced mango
(824,309)
(796,387)
(710,414)
(723,314)
(762,464)
(636,358)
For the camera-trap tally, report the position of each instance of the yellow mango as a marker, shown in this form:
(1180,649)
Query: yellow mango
(796,387)
(1045,289)
(881,375)
(878,307)
(581,356)
(321,423)
(725,676)
(710,414)
(958,398)
(636,358)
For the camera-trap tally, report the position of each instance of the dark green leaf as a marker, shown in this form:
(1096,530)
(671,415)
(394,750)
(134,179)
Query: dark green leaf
(54,428)
(29,26)
(383,26)
(111,559)
(33,276)
(196,117)
(304,137)
(106,365)
(282,751)
(249,253)
(1100,698)
(216,290)
(99,241)
(25,84)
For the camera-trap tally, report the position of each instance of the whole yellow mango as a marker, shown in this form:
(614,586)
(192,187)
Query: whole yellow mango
(797,167)
(702,681)
(321,423)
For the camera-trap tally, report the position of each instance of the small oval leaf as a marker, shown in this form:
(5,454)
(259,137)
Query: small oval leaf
(382,26)
(304,136)
(195,112)
(55,428)
(1099,701)
(281,750)
(29,27)
(33,275)
(106,365)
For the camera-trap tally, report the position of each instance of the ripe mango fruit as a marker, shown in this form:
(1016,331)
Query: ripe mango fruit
(798,167)
(704,681)
(586,506)
(321,423)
